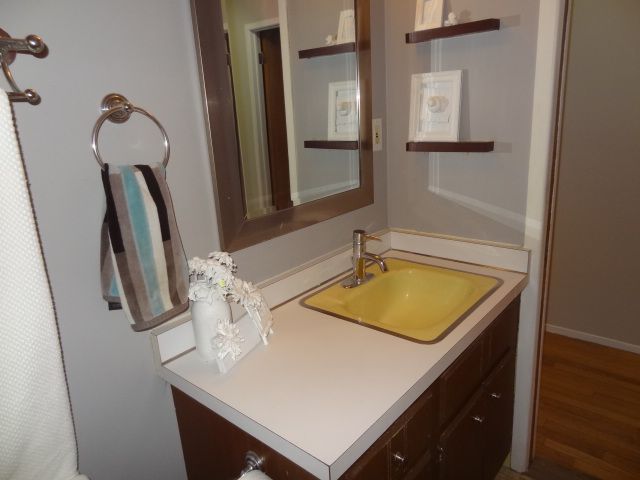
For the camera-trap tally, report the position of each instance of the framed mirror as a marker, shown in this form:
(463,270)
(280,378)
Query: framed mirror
(287,111)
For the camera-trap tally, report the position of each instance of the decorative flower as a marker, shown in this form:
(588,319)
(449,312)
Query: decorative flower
(227,341)
(247,295)
(211,278)
(214,278)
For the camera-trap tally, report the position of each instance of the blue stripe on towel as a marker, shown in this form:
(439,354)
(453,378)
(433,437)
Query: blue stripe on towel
(140,226)
(113,287)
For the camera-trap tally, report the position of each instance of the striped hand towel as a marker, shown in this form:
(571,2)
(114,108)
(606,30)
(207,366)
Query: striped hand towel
(143,265)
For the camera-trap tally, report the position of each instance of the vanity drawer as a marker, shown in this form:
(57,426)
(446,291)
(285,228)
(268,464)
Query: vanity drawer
(460,381)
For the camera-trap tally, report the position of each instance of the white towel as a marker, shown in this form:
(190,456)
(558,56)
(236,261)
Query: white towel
(37,440)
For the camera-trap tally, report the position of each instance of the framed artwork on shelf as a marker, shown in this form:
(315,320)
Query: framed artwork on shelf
(343,110)
(346,27)
(434,113)
(428,14)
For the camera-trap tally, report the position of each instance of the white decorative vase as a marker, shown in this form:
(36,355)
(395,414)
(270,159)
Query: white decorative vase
(204,319)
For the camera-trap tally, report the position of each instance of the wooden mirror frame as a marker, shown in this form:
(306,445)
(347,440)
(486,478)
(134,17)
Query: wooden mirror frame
(235,230)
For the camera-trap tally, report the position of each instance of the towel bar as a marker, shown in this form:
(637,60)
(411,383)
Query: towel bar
(117,109)
(34,45)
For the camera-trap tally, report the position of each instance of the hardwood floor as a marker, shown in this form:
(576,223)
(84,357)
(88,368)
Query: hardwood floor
(542,470)
(589,409)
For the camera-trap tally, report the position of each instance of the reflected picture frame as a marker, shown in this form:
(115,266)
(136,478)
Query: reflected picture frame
(434,113)
(346,26)
(343,121)
(428,14)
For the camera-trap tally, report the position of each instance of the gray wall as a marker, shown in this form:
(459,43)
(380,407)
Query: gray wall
(123,412)
(480,196)
(594,281)
(124,416)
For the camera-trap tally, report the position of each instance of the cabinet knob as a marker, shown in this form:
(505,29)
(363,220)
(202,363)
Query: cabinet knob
(253,462)
(496,395)
(478,418)
(441,454)
(399,459)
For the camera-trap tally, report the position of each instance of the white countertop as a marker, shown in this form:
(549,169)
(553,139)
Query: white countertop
(325,389)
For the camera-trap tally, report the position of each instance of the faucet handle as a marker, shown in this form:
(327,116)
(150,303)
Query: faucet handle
(360,236)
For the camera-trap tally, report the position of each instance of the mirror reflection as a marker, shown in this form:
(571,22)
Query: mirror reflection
(295,101)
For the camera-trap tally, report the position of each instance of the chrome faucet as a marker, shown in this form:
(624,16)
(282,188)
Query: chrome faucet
(360,256)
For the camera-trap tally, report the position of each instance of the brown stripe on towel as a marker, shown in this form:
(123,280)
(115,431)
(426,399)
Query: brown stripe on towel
(181,277)
(130,274)
(111,213)
(171,273)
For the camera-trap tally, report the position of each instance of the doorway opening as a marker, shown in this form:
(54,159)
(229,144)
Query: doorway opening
(270,59)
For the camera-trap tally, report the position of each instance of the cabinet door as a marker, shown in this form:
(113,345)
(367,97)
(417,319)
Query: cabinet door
(502,335)
(499,392)
(460,381)
(460,449)
(372,465)
(408,450)
(424,469)
(403,452)
(398,457)
(421,427)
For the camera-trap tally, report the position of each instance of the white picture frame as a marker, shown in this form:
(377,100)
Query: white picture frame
(343,111)
(428,14)
(346,26)
(434,113)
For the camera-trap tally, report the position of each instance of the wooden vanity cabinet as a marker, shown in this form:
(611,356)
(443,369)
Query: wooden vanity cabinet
(474,443)
(459,429)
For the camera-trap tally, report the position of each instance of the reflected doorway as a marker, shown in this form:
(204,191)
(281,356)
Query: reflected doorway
(270,58)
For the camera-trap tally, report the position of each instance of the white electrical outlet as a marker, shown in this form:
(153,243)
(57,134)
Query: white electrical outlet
(377,134)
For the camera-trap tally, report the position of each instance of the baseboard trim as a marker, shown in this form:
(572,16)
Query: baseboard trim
(589,337)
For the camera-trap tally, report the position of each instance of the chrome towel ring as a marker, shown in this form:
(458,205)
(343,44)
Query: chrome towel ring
(117,109)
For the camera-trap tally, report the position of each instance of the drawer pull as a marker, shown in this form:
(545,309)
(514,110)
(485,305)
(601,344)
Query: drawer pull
(399,459)
(496,395)
(478,418)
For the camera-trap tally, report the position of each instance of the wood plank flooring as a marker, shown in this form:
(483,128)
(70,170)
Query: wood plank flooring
(542,470)
(589,409)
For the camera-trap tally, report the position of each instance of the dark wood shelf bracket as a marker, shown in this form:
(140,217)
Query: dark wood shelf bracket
(481,147)
(328,50)
(453,31)
(332,144)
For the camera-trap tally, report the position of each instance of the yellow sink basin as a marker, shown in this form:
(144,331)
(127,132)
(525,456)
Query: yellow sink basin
(415,301)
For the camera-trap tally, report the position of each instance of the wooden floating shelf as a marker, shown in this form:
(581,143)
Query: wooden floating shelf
(328,50)
(453,31)
(450,146)
(332,144)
